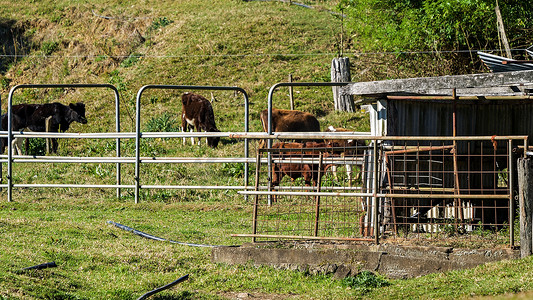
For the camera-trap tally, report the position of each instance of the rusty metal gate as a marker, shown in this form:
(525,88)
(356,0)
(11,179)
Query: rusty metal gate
(420,189)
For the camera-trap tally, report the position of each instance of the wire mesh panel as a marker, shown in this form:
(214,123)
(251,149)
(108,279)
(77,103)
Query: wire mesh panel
(444,190)
(315,190)
(426,191)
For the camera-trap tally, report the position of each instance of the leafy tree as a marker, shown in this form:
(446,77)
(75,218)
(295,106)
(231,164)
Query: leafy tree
(443,25)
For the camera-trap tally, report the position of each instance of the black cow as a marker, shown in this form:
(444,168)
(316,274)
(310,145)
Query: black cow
(33,118)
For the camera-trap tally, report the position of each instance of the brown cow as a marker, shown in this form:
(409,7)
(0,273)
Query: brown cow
(284,120)
(289,121)
(295,170)
(197,113)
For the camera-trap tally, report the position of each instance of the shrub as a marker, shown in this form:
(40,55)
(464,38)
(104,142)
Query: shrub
(365,281)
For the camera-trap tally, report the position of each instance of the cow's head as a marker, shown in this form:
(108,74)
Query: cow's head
(213,141)
(79,112)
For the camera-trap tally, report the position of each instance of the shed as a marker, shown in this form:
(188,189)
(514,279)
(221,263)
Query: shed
(491,104)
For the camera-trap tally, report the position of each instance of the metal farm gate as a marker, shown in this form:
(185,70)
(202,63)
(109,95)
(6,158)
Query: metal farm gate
(420,189)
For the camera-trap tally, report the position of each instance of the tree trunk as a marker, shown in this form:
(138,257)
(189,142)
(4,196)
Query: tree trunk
(340,72)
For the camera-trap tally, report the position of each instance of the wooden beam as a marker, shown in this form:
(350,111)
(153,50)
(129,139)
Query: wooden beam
(425,84)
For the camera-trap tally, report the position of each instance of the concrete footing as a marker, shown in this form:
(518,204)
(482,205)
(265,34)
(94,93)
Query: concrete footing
(342,260)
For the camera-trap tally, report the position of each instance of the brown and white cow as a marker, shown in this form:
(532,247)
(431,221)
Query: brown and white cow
(284,120)
(197,114)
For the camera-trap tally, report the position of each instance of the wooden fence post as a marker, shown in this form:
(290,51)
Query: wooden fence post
(48,127)
(525,196)
(340,72)
(291,97)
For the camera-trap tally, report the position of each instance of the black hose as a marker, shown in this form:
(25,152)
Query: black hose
(42,266)
(149,236)
(173,283)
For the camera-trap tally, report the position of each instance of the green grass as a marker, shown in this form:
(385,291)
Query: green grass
(252,45)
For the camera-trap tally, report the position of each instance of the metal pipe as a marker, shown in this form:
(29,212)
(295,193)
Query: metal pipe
(117,128)
(375,193)
(196,187)
(418,149)
(323,135)
(379,195)
(317,201)
(511,193)
(256,198)
(325,194)
(301,237)
(100,186)
(461,98)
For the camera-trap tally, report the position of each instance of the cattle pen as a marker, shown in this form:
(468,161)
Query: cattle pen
(406,192)
(386,188)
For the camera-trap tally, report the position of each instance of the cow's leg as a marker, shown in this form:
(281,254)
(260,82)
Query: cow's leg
(55,145)
(197,127)
(49,142)
(349,174)
(17,146)
(192,138)
(184,138)
(334,171)
(183,127)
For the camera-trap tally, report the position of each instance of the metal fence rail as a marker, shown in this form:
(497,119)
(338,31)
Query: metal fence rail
(138,135)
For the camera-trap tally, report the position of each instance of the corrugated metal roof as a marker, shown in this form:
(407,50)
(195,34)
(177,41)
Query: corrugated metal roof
(494,62)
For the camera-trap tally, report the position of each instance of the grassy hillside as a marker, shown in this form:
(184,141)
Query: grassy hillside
(129,44)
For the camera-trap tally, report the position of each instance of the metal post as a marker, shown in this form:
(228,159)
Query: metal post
(318,185)
(375,192)
(117,128)
(511,193)
(291,97)
(9,145)
(138,142)
(256,201)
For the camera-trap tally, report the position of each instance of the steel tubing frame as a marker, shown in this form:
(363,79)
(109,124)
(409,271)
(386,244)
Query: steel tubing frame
(182,87)
(270,95)
(10,135)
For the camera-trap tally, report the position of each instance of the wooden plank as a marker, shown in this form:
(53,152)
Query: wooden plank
(424,84)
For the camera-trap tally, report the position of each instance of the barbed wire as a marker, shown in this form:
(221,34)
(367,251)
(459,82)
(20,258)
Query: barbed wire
(253,54)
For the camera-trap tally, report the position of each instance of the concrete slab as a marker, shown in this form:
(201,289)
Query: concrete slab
(344,260)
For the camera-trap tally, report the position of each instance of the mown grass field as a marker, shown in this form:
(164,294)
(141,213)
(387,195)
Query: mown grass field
(252,45)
